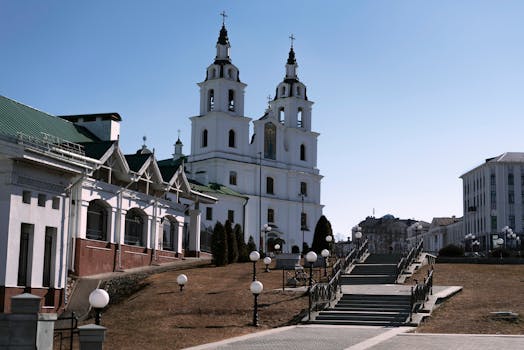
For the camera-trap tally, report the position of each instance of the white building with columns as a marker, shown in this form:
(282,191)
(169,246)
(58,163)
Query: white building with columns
(272,161)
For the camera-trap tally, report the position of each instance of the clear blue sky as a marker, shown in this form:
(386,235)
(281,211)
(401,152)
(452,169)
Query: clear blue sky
(408,94)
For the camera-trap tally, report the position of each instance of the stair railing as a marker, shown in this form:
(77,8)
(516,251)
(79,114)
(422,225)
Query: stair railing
(420,293)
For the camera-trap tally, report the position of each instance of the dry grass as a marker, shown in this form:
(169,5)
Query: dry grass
(217,304)
(486,288)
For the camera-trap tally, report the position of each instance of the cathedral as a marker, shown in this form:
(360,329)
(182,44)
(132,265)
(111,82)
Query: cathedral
(270,170)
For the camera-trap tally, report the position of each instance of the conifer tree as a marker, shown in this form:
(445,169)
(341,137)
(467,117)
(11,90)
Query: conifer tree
(251,246)
(219,245)
(243,255)
(322,229)
(232,247)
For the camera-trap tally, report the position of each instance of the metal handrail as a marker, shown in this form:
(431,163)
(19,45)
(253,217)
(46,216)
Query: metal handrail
(420,292)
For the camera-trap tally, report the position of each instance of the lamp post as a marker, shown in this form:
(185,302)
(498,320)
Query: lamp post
(277,247)
(98,299)
(468,241)
(511,237)
(475,245)
(418,229)
(265,229)
(311,257)
(357,234)
(500,242)
(329,240)
(302,224)
(325,255)
(267,261)
(256,288)
(181,280)
(254,256)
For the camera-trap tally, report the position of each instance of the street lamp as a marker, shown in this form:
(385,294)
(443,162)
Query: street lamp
(254,256)
(181,280)
(325,255)
(475,245)
(311,257)
(468,241)
(302,224)
(266,229)
(507,231)
(500,242)
(267,261)
(357,234)
(256,288)
(277,247)
(511,237)
(329,240)
(418,229)
(98,299)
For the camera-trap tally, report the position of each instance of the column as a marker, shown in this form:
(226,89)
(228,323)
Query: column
(194,233)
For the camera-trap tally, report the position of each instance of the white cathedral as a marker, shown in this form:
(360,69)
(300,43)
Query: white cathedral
(272,171)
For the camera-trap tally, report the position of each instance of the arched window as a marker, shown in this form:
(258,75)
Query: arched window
(232,178)
(96,227)
(214,72)
(169,229)
(231,103)
(281,115)
(300,121)
(269,185)
(204,138)
(134,229)
(210,100)
(302,152)
(230,73)
(283,91)
(270,215)
(298,90)
(270,141)
(232,138)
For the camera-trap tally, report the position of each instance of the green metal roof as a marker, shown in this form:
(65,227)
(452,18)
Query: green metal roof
(136,161)
(97,149)
(18,118)
(214,188)
(168,167)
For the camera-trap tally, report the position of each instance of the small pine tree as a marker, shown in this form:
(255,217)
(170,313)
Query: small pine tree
(251,246)
(243,255)
(322,230)
(219,245)
(232,247)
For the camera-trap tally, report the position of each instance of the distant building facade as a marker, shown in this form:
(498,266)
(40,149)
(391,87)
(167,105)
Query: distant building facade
(493,197)
(443,231)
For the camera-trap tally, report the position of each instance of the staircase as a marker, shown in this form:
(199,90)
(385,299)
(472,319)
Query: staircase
(383,306)
(367,310)
(376,269)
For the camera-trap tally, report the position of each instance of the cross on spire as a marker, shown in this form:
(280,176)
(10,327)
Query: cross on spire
(223,14)
(178,133)
(292,37)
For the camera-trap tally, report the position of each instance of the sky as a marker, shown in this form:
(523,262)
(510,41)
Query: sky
(409,95)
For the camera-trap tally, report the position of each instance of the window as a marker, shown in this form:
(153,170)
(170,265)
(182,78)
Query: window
(209,213)
(303,188)
(134,229)
(26,197)
(270,141)
(25,255)
(168,231)
(96,221)
(512,221)
(210,100)
(283,93)
(302,152)
(230,73)
(511,180)
(231,99)
(41,200)
(231,216)
(493,199)
(204,138)
(511,197)
(493,180)
(47,277)
(269,185)
(281,115)
(231,138)
(303,221)
(300,121)
(56,203)
(270,215)
(232,178)
(298,90)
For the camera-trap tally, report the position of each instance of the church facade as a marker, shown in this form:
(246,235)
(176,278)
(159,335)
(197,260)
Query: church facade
(272,160)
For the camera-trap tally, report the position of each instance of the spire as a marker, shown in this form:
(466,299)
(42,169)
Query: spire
(223,42)
(291,64)
(222,38)
(291,58)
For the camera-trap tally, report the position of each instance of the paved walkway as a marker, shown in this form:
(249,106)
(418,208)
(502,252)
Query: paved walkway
(361,338)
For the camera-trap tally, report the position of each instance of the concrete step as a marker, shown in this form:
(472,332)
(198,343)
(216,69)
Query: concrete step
(367,279)
(357,315)
(376,297)
(359,323)
(362,269)
(383,259)
(367,309)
